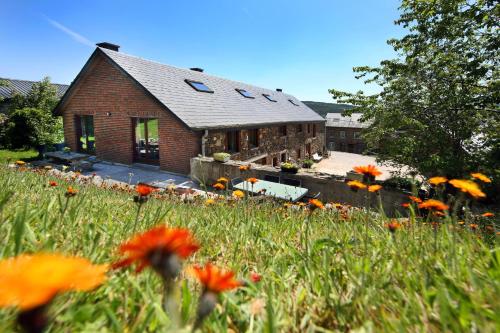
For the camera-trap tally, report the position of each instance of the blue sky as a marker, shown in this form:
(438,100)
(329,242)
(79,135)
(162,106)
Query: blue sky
(304,47)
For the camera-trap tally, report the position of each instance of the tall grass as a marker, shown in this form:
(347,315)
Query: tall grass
(345,274)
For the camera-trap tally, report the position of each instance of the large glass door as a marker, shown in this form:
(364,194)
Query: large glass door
(146,139)
(85,138)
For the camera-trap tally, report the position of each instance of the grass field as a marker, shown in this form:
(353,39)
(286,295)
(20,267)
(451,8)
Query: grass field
(321,272)
(14,155)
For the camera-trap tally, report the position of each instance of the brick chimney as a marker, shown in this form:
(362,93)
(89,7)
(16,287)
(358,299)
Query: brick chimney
(109,46)
(279,90)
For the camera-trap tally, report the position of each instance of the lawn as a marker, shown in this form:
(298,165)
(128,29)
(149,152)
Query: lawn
(14,155)
(323,271)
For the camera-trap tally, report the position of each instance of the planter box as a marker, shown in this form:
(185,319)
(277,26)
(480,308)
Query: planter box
(290,170)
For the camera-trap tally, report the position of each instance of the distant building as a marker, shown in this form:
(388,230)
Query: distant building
(21,87)
(344,133)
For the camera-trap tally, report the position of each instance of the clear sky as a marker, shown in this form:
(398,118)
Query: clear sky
(304,47)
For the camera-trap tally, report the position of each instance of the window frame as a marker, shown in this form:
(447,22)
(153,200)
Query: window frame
(342,134)
(240,91)
(269,98)
(300,128)
(315,130)
(237,142)
(283,130)
(255,133)
(192,82)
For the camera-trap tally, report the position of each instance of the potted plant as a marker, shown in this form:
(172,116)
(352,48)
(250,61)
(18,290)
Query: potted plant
(67,150)
(221,157)
(289,167)
(307,163)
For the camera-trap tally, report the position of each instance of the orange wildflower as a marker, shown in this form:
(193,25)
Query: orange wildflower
(405,204)
(435,181)
(415,199)
(393,226)
(356,185)
(438,214)
(370,171)
(469,187)
(473,226)
(71,192)
(255,277)
(222,180)
(144,189)
(156,247)
(215,279)
(374,188)
(52,183)
(20,163)
(238,194)
(244,167)
(481,177)
(487,214)
(433,204)
(209,202)
(219,186)
(252,180)
(316,204)
(30,281)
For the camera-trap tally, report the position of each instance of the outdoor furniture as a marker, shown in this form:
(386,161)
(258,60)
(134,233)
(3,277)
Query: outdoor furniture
(236,181)
(271,178)
(276,190)
(316,157)
(308,197)
(292,182)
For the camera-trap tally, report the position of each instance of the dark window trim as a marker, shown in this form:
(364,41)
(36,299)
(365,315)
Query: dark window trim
(293,102)
(257,131)
(300,128)
(190,82)
(285,132)
(238,143)
(269,98)
(240,91)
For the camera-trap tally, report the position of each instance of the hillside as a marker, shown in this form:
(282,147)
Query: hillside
(323,108)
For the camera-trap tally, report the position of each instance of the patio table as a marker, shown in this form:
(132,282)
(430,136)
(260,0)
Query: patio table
(277,190)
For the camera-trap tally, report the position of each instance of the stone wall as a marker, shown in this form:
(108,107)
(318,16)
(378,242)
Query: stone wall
(332,188)
(351,142)
(272,144)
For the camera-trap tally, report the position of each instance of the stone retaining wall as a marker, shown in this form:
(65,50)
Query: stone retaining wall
(206,171)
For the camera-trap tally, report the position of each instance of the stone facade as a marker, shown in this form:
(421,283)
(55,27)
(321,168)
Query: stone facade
(273,147)
(346,139)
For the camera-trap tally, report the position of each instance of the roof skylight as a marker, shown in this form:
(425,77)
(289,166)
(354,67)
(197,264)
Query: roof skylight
(244,93)
(269,98)
(293,102)
(199,86)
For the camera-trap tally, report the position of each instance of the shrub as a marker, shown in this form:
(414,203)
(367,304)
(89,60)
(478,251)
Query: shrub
(221,157)
(30,127)
(307,164)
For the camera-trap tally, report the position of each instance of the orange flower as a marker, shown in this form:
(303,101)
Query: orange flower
(52,183)
(29,281)
(215,279)
(481,177)
(209,202)
(222,180)
(393,226)
(144,189)
(415,199)
(435,181)
(20,163)
(315,204)
(219,186)
(252,180)
(238,194)
(244,167)
(433,204)
(473,226)
(374,188)
(356,185)
(155,248)
(71,192)
(487,214)
(469,187)
(255,277)
(405,204)
(439,214)
(370,171)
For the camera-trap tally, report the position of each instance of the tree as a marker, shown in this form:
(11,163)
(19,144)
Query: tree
(438,106)
(42,95)
(30,127)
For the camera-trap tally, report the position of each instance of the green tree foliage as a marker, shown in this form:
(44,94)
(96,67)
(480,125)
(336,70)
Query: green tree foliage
(438,106)
(43,96)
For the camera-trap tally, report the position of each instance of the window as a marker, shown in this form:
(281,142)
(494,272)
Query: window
(314,130)
(146,140)
(269,98)
(275,161)
(233,141)
(308,128)
(342,134)
(299,128)
(253,138)
(199,86)
(308,149)
(293,102)
(283,157)
(299,154)
(244,93)
(357,135)
(282,130)
(85,134)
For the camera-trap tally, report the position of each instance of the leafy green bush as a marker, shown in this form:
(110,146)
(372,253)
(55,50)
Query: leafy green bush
(30,127)
(221,157)
(307,164)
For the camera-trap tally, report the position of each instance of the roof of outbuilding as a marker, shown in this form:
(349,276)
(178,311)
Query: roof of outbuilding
(224,108)
(23,87)
(353,121)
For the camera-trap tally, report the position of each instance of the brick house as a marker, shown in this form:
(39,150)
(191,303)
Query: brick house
(129,110)
(344,133)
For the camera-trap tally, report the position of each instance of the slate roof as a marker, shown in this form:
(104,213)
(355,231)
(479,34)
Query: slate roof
(224,108)
(24,86)
(337,120)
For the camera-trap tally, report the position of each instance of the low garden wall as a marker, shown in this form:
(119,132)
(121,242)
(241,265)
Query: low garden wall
(333,188)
